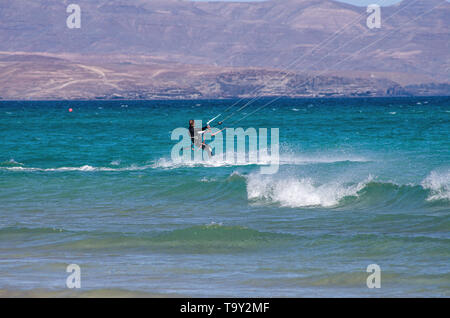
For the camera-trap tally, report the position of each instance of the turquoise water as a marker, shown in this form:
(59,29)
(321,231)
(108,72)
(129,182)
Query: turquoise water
(361,181)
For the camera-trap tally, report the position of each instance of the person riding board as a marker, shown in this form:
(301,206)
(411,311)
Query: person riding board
(197,137)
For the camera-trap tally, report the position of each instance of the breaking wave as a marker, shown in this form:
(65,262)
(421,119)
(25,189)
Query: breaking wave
(302,192)
(368,193)
(438,184)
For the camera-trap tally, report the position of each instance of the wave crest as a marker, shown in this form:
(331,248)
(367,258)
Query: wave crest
(302,192)
(438,184)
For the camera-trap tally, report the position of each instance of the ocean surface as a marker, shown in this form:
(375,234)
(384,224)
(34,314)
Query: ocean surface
(360,182)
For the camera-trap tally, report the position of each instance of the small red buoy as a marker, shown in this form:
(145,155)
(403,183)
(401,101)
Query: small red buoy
(70,110)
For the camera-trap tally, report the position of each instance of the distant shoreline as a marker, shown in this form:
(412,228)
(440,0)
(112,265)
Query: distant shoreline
(223,99)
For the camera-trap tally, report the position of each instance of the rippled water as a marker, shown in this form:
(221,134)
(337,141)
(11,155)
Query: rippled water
(361,181)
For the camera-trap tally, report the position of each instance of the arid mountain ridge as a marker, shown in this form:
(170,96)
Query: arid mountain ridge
(142,49)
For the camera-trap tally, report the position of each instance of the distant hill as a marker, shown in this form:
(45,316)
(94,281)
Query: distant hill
(222,49)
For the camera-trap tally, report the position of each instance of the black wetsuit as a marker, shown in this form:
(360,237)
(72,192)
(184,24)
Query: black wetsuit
(196,139)
(193,134)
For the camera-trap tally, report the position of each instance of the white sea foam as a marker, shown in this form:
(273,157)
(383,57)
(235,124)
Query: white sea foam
(303,192)
(218,161)
(205,179)
(82,168)
(439,185)
(13,162)
(115,163)
(235,173)
(285,159)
